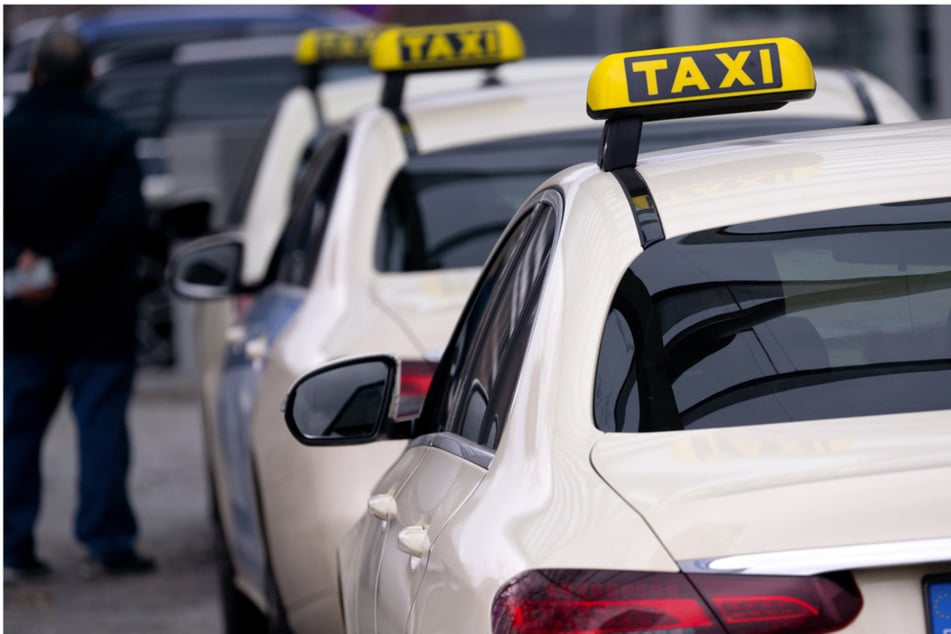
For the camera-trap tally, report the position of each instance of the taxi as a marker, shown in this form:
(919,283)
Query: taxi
(381,244)
(701,389)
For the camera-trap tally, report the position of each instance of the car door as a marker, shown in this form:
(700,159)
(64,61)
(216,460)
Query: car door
(249,339)
(466,407)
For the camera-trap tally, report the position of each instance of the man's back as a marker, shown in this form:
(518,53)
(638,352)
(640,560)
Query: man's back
(72,193)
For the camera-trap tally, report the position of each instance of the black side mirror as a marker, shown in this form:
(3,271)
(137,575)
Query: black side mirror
(209,268)
(345,403)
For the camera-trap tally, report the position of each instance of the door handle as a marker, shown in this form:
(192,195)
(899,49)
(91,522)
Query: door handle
(256,348)
(414,540)
(235,334)
(382,506)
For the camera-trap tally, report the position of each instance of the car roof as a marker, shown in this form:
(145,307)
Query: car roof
(718,184)
(234,49)
(521,109)
(536,97)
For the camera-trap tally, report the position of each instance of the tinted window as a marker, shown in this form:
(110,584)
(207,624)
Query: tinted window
(313,196)
(243,90)
(831,314)
(447,209)
(500,352)
(137,91)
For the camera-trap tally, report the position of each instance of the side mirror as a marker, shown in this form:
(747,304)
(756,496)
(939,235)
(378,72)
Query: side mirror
(209,268)
(345,403)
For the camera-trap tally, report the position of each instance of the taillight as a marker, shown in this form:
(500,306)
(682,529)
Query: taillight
(242,304)
(415,377)
(604,601)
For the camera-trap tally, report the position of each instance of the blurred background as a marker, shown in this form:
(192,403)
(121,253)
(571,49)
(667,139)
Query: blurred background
(199,83)
(904,44)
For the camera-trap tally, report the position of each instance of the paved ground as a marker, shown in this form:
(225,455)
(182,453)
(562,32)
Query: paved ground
(170,497)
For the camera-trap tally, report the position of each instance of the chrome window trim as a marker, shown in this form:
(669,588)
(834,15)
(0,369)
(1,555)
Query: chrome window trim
(459,446)
(812,561)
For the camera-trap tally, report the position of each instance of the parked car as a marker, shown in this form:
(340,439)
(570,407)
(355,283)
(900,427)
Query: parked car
(701,389)
(360,280)
(378,231)
(200,111)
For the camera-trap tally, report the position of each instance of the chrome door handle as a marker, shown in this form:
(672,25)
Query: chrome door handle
(235,334)
(414,540)
(382,506)
(256,348)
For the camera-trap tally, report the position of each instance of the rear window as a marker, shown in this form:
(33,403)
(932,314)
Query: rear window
(823,315)
(240,90)
(447,209)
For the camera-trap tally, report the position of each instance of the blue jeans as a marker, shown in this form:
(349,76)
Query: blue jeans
(100,389)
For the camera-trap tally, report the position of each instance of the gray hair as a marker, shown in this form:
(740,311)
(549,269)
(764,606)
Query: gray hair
(61,59)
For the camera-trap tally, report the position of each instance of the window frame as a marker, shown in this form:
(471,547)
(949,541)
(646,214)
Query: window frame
(445,408)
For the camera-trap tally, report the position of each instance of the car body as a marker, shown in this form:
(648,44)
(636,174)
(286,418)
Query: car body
(701,389)
(323,267)
(289,328)
(259,212)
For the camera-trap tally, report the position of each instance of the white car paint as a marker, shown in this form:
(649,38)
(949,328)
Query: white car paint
(352,309)
(559,493)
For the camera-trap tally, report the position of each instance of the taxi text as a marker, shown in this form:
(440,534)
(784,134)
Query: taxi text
(429,47)
(708,72)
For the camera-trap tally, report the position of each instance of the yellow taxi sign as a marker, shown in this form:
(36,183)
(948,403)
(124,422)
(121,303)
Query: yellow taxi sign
(696,80)
(444,46)
(316,46)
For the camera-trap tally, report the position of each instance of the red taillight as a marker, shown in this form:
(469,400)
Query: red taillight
(750,604)
(242,304)
(603,601)
(415,377)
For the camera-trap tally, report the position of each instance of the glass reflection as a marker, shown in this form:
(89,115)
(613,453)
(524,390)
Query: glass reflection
(343,402)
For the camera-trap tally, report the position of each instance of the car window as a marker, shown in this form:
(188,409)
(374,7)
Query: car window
(299,246)
(447,209)
(831,314)
(494,366)
(136,89)
(248,90)
(476,369)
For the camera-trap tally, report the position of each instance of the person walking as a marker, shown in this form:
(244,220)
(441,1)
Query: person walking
(73,215)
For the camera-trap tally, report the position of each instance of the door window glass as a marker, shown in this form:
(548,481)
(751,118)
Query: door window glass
(299,246)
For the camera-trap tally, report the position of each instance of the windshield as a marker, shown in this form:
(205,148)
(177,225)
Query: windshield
(824,315)
(448,208)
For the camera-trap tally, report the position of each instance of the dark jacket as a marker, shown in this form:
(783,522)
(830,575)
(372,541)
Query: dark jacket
(72,192)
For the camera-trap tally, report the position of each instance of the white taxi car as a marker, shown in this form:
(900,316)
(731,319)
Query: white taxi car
(699,390)
(382,245)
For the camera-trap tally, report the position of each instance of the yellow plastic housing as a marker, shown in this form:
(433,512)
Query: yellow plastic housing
(691,81)
(445,46)
(315,46)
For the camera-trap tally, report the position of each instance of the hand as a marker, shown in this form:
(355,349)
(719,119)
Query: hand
(27,262)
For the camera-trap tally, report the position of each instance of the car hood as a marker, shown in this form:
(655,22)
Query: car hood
(425,305)
(770,488)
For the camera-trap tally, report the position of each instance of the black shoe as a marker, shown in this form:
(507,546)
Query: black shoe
(31,569)
(127,563)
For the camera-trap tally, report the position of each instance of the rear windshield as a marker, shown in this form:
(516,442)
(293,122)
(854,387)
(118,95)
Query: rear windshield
(245,89)
(447,209)
(823,315)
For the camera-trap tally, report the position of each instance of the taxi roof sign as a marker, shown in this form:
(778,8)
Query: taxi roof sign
(318,46)
(699,80)
(446,46)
